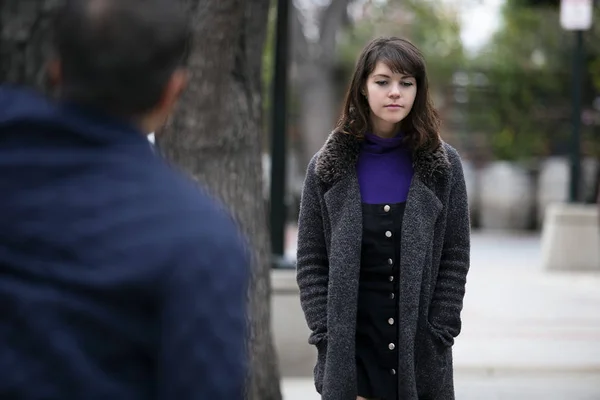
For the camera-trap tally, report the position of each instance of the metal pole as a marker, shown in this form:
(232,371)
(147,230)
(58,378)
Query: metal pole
(278,135)
(575,178)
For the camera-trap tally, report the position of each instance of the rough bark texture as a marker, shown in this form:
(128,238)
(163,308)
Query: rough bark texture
(25,41)
(215,136)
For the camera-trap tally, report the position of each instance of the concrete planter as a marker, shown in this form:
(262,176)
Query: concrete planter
(553,184)
(506,197)
(290,331)
(571,238)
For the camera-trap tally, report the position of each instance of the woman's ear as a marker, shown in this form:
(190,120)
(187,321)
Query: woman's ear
(54,72)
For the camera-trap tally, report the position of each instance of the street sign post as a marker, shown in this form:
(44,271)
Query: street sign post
(576,15)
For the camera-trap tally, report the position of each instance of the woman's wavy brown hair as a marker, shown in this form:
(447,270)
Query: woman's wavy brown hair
(421,125)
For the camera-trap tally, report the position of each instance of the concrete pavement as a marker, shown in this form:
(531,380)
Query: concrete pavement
(527,333)
(518,317)
(483,387)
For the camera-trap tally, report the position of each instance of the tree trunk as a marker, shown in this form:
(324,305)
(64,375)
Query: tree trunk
(215,135)
(24,41)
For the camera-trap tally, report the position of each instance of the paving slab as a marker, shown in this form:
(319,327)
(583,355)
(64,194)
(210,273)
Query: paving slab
(527,319)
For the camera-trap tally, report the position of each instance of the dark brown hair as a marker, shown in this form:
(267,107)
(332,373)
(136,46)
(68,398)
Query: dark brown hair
(421,125)
(118,55)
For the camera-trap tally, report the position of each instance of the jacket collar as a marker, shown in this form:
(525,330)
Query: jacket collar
(338,156)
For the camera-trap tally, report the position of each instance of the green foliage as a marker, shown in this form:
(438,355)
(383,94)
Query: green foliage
(526,105)
(519,95)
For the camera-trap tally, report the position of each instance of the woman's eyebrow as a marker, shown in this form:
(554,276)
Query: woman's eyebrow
(387,76)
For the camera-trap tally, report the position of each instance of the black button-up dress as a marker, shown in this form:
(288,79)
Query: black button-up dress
(376,324)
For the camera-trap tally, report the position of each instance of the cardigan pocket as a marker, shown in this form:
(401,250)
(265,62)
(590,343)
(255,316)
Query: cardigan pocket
(431,363)
(319,369)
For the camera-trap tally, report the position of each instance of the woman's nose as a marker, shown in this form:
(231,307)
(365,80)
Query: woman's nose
(395,92)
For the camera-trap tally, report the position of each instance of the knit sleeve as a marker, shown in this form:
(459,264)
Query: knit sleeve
(449,291)
(312,272)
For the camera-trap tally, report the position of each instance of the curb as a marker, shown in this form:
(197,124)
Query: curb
(529,370)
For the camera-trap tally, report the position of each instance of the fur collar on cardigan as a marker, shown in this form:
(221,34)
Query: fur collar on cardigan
(339,155)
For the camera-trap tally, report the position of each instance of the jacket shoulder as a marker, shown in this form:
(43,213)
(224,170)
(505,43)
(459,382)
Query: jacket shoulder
(312,174)
(312,165)
(452,154)
(454,159)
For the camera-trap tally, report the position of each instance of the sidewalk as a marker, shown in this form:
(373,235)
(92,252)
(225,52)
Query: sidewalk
(509,387)
(518,317)
(528,329)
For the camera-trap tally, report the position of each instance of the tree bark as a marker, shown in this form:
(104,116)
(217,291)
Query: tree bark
(215,135)
(25,41)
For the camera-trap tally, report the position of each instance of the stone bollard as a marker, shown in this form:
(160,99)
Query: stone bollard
(571,238)
(506,197)
(553,184)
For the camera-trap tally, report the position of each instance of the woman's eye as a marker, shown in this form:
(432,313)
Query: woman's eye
(381,83)
(407,84)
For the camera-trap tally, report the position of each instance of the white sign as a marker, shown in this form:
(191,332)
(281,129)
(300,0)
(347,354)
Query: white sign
(576,15)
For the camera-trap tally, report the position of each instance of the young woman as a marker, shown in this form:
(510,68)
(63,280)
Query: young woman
(384,236)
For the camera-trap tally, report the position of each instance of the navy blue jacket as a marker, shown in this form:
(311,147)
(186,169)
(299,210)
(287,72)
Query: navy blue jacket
(119,277)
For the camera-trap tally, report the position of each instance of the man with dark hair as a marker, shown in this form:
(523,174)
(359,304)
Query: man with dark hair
(119,278)
(120,56)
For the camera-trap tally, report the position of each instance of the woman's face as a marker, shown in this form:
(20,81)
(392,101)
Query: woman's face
(391,97)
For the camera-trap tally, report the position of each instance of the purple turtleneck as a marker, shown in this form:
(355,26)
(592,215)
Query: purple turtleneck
(384,170)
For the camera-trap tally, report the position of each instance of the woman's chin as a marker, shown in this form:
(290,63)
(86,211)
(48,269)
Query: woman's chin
(393,121)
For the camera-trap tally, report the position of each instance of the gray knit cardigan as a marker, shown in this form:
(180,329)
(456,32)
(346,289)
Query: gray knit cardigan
(433,268)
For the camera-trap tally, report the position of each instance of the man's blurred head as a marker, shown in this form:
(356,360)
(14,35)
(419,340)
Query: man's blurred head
(124,57)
